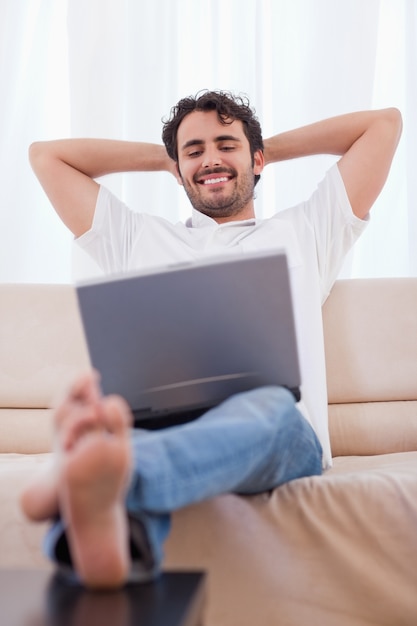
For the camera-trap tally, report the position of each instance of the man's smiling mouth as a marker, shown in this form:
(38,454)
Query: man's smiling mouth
(215,177)
(214,181)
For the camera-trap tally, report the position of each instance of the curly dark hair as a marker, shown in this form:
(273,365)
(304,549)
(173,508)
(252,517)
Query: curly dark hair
(229,107)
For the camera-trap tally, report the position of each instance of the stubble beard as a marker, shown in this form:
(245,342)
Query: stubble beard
(218,204)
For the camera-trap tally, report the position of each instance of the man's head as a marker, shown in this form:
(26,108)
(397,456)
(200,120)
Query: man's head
(216,141)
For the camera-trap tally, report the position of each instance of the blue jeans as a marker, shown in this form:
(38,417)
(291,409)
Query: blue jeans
(251,443)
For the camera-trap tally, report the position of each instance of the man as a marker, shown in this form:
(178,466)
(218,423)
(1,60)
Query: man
(112,491)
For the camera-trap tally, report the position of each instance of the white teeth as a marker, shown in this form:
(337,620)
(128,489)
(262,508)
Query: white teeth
(213,181)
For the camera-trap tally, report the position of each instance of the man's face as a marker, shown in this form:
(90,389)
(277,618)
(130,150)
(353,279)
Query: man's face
(215,166)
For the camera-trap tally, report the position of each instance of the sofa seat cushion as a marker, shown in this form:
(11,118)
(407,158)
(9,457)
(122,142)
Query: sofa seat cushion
(337,549)
(21,540)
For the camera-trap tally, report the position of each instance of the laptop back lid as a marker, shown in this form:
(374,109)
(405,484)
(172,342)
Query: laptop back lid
(191,335)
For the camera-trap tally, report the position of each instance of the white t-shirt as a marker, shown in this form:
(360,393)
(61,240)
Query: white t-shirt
(316,235)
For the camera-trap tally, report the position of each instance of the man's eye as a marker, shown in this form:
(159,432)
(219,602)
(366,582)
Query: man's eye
(195,153)
(227,148)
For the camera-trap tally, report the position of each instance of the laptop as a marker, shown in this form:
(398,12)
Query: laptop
(177,341)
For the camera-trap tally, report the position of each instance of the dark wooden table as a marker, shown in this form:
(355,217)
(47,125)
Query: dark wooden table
(39,598)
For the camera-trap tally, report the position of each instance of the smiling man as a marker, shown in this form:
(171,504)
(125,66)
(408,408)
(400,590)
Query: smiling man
(217,164)
(111,490)
(215,170)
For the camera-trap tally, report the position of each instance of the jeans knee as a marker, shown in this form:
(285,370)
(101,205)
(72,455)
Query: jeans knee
(273,407)
(271,399)
(302,445)
(292,436)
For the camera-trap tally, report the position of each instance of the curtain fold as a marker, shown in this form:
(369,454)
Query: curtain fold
(114,68)
(34,245)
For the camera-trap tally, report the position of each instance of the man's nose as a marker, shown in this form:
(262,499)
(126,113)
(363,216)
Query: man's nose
(212,158)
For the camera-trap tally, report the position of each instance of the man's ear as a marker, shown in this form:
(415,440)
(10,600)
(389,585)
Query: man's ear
(258,162)
(178,174)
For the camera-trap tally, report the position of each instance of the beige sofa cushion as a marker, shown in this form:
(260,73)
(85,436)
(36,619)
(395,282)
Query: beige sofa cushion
(41,344)
(25,430)
(373,427)
(340,549)
(371,340)
(42,348)
(370,330)
(20,540)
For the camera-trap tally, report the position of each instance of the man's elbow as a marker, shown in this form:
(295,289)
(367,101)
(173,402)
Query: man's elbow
(39,155)
(35,151)
(394,120)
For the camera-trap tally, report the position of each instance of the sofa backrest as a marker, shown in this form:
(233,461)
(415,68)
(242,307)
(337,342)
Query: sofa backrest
(370,330)
(41,350)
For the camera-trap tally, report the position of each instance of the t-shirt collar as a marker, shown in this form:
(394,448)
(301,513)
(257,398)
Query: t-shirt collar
(199,220)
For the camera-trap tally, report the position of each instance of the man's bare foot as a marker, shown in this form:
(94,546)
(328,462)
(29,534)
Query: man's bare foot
(87,482)
(93,481)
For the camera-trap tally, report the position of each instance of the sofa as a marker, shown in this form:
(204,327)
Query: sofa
(339,549)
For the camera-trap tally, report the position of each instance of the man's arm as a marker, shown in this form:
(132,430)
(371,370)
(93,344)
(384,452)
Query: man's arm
(366,141)
(67,168)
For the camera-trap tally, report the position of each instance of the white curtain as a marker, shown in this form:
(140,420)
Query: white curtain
(114,68)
